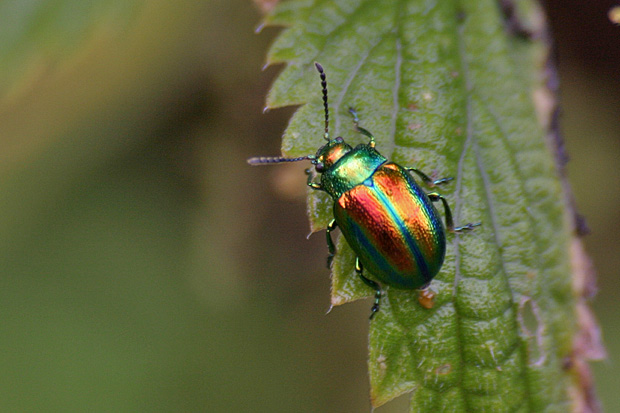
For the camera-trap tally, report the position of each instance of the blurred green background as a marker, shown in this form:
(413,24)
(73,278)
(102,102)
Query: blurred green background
(146,267)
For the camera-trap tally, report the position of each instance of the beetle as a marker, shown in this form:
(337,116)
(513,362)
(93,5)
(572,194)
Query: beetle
(386,218)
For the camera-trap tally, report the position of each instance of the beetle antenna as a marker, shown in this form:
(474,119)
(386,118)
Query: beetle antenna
(324,85)
(262,160)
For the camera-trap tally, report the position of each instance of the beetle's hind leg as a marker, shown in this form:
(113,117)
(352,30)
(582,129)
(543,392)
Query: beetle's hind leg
(331,248)
(428,181)
(372,284)
(361,130)
(434,197)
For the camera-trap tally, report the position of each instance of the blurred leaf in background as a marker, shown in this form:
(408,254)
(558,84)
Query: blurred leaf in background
(40,37)
(587,46)
(128,261)
(145,267)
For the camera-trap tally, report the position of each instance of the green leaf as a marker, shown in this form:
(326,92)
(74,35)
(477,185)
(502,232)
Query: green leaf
(454,88)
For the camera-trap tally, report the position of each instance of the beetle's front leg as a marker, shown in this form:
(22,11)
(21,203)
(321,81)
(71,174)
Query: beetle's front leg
(428,181)
(310,182)
(361,130)
(372,284)
(434,197)
(331,248)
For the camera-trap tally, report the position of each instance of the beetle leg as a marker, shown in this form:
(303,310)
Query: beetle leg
(428,181)
(361,130)
(372,284)
(312,184)
(434,197)
(330,243)
(467,227)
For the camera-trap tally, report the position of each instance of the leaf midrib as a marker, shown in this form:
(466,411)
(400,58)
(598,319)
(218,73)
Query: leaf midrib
(471,140)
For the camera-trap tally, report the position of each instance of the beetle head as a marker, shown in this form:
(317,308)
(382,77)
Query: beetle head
(328,154)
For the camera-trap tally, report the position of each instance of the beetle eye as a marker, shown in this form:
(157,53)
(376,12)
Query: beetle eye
(320,167)
(339,139)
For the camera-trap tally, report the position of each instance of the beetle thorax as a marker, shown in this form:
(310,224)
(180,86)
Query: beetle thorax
(351,169)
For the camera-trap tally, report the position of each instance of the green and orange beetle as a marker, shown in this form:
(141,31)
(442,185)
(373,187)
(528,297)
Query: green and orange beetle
(386,218)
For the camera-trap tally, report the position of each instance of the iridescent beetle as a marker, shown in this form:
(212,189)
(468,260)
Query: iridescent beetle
(387,219)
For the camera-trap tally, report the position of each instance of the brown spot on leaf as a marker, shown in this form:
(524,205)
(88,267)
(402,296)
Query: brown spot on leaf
(444,369)
(414,126)
(426,298)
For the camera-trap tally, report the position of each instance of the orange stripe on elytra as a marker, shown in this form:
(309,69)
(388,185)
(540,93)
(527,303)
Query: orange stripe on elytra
(376,222)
